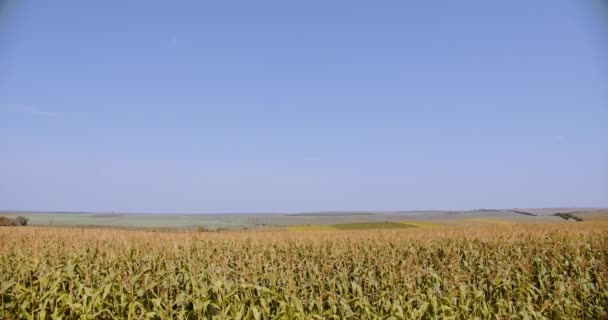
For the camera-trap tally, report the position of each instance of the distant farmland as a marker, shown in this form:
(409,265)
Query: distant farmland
(279,220)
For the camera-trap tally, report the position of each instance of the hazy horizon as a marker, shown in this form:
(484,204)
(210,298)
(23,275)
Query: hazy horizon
(568,209)
(272,106)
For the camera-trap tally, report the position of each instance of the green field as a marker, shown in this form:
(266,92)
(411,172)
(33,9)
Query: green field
(372,225)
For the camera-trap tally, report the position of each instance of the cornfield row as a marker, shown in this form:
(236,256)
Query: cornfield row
(514,272)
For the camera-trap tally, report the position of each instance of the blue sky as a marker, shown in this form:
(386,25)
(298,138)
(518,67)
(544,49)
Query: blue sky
(197,106)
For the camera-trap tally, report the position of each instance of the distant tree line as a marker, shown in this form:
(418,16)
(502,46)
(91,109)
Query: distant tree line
(568,216)
(18,221)
(524,213)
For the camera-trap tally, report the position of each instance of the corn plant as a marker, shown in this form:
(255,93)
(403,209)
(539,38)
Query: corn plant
(506,272)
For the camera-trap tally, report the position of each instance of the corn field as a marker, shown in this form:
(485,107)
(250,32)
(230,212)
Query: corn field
(506,272)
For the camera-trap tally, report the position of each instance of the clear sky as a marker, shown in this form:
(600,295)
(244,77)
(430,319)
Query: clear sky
(250,106)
